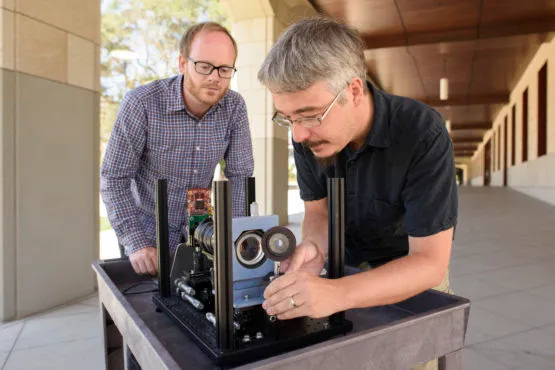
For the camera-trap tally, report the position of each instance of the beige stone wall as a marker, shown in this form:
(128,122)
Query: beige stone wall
(530,174)
(477,165)
(57,40)
(7,44)
(255,37)
(49,152)
(256,25)
(477,181)
(7,196)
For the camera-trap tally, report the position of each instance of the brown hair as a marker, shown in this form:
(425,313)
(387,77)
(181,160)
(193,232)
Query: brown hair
(189,36)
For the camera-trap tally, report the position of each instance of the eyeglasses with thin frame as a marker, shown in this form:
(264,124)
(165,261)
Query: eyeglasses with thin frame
(205,68)
(307,122)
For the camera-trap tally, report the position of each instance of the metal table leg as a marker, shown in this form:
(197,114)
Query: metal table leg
(113,351)
(451,361)
(129,361)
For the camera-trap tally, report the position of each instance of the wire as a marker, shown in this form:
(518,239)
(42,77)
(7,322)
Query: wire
(129,290)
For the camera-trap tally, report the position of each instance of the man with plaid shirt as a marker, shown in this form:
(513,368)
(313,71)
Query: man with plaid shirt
(178,129)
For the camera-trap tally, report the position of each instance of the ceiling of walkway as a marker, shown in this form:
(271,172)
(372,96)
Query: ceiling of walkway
(481,46)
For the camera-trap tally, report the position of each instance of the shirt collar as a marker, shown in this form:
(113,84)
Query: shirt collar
(175,99)
(379,133)
(175,95)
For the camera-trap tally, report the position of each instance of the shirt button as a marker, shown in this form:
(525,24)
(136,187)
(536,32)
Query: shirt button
(197,148)
(195,171)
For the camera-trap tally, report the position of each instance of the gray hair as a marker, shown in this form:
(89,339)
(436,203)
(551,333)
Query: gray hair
(312,50)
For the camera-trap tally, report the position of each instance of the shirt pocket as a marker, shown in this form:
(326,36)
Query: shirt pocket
(169,148)
(214,139)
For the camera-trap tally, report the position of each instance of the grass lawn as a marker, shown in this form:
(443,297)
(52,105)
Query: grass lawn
(104,224)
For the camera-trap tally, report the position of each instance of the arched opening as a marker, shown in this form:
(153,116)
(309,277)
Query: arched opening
(460,176)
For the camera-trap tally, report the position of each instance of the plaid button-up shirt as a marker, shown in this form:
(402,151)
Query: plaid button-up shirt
(156,137)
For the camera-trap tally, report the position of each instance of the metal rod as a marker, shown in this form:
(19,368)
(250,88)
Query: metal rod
(222,265)
(336,234)
(250,194)
(162,237)
(192,300)
(210,317)
(182,285)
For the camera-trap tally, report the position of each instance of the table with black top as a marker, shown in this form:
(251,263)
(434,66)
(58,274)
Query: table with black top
(427,326)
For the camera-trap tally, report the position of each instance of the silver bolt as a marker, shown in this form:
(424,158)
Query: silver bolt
(246,338)
(246,297)
(259,335)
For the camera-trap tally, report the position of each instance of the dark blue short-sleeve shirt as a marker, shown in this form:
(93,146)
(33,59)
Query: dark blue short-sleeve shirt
(401,182)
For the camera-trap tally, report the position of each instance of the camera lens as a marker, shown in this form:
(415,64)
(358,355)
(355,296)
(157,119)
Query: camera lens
(204,235)
(248,249)
(278,243)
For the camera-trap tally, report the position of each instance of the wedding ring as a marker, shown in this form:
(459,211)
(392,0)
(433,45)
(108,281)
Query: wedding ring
(293,304)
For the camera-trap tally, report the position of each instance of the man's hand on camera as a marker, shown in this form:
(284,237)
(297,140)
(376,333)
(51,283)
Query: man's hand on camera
(144,261)
(300,293)
(307,257)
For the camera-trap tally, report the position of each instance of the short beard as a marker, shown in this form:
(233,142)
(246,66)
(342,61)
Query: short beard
(195,90)
(322,161)
(326,162)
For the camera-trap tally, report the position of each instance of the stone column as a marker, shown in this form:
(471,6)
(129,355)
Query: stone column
(49,157)
(256,25)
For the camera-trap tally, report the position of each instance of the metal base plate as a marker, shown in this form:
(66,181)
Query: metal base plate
(279,337)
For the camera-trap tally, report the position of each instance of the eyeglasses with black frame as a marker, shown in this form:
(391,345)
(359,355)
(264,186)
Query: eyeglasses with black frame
(205,68)
(307,122)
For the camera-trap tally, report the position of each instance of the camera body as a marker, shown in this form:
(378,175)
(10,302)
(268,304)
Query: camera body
(249,281)
(257,245)
(252,269)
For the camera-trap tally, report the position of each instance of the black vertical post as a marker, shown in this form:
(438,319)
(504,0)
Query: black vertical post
(222,265)
(162,237)
(336,234)
(250,194)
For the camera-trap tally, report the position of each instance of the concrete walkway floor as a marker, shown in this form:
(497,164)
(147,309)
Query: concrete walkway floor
(503,260)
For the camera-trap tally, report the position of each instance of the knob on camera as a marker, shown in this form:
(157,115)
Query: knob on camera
(278,243)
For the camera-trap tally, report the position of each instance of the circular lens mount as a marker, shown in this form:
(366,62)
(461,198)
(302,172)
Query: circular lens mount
(204,235)
(248,249)
(279,243)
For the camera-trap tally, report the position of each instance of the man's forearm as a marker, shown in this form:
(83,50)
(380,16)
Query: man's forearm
(315,230)
(391,283)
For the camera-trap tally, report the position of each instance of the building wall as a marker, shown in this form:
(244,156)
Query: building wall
(256,25)
(255,37)
(49,101)
(535,175)
(477,181)
(535,178)
(477,165)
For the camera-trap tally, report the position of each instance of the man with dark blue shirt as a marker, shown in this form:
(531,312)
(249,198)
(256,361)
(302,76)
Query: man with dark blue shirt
(397,160)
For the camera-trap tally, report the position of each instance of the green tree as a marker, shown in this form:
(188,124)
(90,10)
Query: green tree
(151,29)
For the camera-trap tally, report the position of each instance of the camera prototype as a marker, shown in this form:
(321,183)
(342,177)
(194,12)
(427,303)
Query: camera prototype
(252,266)
(215,288)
